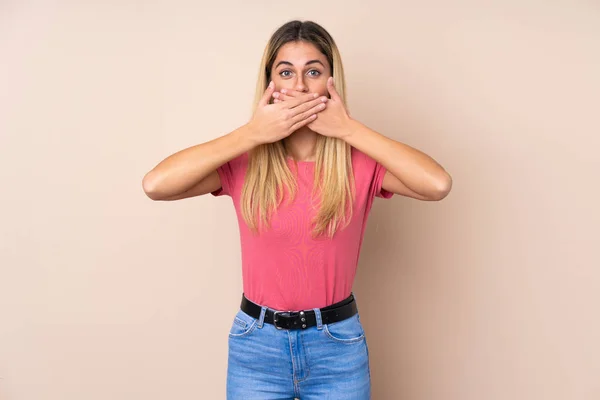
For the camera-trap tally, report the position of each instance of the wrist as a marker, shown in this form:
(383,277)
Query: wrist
(251,135)
(244,137)
(350,128)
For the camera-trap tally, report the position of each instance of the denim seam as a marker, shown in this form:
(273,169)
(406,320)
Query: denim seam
(250,329)
(261,317)
(340,340)
(241,323)
(304,349)
(345,341)
(318,318)
(292,357)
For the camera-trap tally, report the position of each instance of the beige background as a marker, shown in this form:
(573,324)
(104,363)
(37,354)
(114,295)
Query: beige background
(490,294)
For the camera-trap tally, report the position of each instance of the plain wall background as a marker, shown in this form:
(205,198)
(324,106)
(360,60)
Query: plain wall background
(492,293)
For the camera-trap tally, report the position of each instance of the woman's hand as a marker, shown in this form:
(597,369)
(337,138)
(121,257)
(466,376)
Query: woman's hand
(273,122)
(333,121)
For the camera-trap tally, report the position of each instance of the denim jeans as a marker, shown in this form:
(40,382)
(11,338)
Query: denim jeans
(326,361)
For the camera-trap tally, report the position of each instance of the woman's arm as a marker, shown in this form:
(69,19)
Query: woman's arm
(192,171)
(410,172)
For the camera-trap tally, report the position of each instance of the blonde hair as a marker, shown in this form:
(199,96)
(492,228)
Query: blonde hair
(268,172)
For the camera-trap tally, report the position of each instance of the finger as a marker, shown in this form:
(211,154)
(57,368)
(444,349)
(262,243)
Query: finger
(309,105)
(291,92)
(307,113)
(303,122)
(286,92)
(278,95)
(267,95)
(332,91)
(296,101)
(284,97)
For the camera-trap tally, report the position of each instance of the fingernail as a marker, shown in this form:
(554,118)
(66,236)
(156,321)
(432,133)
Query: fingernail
(271,85)
(315,95)
(323,99)
(284,91)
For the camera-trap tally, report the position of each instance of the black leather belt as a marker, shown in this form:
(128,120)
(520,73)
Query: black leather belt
(302,319)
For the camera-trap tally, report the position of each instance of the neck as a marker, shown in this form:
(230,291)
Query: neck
(301,144)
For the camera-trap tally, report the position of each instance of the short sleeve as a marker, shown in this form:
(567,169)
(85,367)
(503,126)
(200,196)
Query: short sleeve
(380,172)
(230,174)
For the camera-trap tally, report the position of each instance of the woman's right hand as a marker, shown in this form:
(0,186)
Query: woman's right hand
(273,122)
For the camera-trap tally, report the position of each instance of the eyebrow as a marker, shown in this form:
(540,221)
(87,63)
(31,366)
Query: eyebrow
(308,63)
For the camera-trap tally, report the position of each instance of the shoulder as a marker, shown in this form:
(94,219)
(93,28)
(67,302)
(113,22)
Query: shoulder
(237,164)
(231,174)
(241,160)
(369,173)
(362,163)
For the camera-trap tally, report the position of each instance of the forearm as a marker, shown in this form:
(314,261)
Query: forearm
(184,169)
(415,169)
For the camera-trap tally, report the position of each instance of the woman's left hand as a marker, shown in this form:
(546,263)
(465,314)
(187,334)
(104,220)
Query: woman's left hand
(333,121)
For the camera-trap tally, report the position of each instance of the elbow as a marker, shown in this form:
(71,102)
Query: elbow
(443,186)
(150,186)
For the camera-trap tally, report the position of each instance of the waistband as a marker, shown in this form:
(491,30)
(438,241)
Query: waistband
(304,318)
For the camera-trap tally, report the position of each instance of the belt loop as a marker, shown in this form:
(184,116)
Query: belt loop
(261,318)
(318,318)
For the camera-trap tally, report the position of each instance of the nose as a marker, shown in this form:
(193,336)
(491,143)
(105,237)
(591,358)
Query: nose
(300,86)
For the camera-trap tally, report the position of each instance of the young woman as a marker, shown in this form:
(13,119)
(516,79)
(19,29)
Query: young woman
(303,175)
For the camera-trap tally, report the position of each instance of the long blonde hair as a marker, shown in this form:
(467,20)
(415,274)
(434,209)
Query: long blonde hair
(268,172)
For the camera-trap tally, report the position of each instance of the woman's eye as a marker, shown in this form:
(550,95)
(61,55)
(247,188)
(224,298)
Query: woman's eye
(287,73)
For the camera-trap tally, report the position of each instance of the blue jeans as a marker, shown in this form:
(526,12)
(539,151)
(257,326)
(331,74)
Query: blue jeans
(326,361)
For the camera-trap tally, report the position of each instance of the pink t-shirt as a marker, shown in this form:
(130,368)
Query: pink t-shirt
(284,268)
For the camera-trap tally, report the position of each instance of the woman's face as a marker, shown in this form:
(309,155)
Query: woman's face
(300,66)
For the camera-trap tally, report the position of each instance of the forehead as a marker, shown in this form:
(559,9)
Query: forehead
(299,53)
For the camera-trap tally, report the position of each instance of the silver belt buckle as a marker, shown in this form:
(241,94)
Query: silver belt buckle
(292,313)
(275,317)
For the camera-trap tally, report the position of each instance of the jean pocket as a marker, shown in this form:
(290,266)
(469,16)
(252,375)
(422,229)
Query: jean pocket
(243,324)
(349,330)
